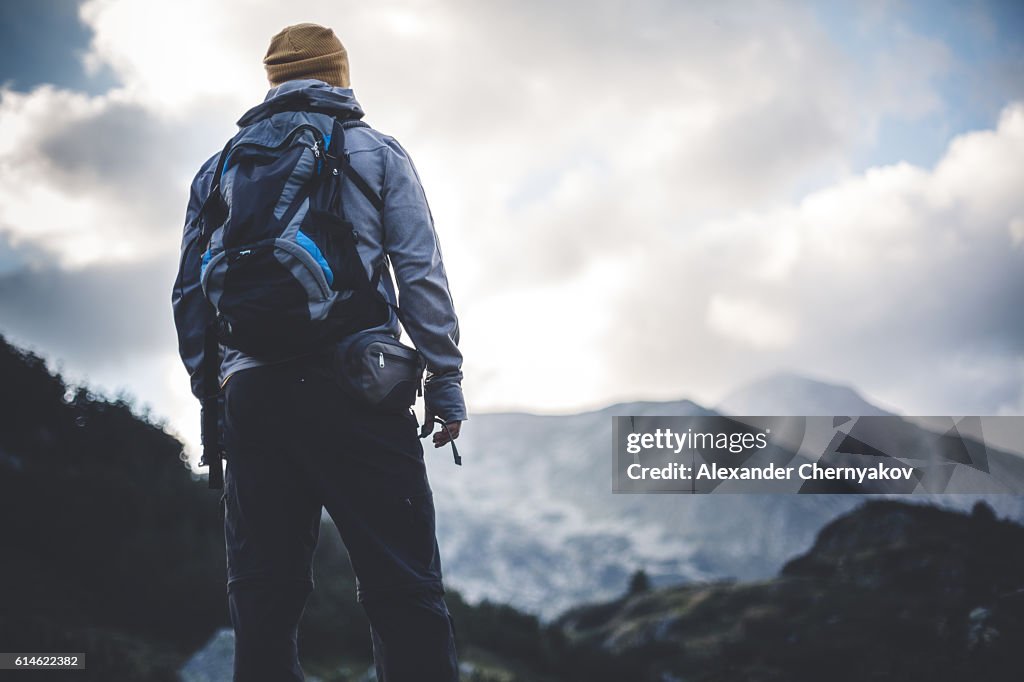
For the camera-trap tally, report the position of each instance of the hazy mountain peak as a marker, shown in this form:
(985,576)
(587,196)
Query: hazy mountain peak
(682,408)
(790,394)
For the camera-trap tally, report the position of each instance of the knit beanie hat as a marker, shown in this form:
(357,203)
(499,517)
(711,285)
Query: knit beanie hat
(307,51)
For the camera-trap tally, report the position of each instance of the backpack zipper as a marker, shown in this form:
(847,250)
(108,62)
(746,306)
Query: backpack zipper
(287,142)
(401,359)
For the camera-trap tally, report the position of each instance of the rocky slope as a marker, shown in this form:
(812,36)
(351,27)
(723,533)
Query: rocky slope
(890,591)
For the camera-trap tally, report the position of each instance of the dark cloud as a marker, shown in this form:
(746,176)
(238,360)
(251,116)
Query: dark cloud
(93,317)
(122,145)
(44,42)
(131,158)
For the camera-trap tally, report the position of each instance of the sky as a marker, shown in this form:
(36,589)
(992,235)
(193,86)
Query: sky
(635,200)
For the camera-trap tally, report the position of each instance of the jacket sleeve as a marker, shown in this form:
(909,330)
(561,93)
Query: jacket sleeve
(428,313)
(191,310)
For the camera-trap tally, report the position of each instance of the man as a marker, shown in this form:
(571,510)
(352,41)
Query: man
(295,442)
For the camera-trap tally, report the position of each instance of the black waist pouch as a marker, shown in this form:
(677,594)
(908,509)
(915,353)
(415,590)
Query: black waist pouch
(378,371)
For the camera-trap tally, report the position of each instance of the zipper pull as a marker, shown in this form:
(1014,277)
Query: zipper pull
(316,149)
(380,361)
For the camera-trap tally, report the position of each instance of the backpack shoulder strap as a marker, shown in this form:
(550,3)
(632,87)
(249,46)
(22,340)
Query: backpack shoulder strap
(336,154)
(351,173)
(214,210)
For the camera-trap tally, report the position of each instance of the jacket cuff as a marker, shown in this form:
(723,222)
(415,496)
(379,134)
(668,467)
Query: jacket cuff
(444,399)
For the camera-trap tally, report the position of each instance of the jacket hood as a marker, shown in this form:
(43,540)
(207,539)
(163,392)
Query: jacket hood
(305,95)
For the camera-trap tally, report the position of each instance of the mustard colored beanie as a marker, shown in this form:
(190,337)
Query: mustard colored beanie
(307,51)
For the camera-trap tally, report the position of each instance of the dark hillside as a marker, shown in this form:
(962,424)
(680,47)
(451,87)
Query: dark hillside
(109,544)
(890,591)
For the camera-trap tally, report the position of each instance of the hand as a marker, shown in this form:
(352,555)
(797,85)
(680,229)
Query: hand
(445,435)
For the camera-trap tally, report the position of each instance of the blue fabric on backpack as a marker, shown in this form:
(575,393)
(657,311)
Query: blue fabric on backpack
(308,244)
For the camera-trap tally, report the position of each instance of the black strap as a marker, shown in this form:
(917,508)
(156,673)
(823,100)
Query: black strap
(213,211)
(212,452)
(337,162)
(351,173)
(364,187)
(455,451)
(341,164)
(212,448)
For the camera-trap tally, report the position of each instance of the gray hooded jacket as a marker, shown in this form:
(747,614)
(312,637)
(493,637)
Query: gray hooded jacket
(403,232)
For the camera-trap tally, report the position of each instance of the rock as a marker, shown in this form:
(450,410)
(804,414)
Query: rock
(215,661)
(981,631)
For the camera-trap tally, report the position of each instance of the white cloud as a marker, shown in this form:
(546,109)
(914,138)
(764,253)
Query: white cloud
(173,55)
(902,280)
(749,322)
(94,179)
(1017,231)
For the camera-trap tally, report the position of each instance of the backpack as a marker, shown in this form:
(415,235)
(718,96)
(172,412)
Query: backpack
(279,263)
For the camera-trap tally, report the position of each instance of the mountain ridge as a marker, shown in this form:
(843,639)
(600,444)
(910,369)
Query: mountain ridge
(794,394)
(888,591)
(541,487)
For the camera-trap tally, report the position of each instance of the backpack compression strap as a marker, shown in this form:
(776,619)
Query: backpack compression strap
(211,216)
(212,452)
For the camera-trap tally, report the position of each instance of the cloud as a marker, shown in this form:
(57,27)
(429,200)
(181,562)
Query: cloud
(44,43)
(95,179)
(637,121)
(749,322)
(90,317)
(634,201)
(902,280)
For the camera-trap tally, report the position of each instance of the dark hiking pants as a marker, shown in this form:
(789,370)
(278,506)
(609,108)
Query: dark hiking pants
(295,443)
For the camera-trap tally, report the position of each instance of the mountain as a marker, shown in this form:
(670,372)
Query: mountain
(889,591)
(787,394)
(530,519)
